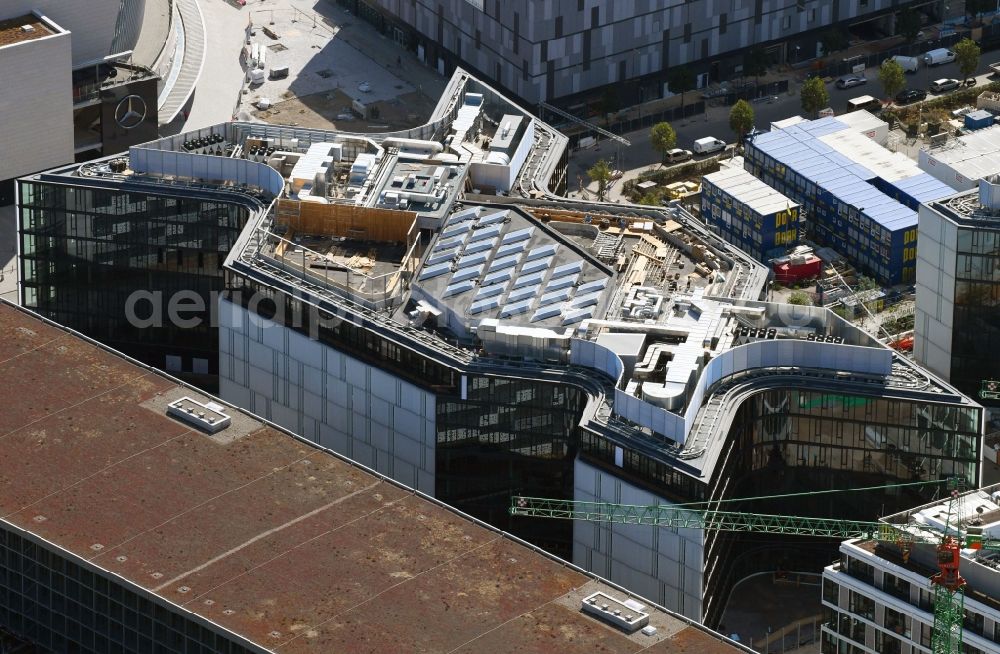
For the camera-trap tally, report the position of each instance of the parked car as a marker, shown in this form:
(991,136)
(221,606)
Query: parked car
(848,81)
(944,84)
(677,155)
(909,96)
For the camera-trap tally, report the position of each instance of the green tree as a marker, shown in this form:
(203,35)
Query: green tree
(866,283)
(741,118)
(908,24)
(892,77)
(799,297)
(663,138)
(680,79)
(967,55)
(755,62)
(814,95)
(833,39)
(600,172)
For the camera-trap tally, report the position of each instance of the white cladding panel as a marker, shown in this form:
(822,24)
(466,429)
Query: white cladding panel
(330,398)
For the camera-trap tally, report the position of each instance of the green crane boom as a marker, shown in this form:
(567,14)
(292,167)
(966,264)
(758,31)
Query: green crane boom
(949,595)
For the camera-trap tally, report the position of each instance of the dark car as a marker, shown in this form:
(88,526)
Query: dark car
(911,95)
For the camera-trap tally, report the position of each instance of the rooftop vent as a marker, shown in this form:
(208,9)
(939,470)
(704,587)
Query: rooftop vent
(209,417)
(989,192)
(27,28)
(618,613)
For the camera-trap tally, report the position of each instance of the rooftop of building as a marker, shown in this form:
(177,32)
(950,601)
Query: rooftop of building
(90,79)
(24,28)
(974,208)
(480,280)
(974,513)
(973,156)
(839,158)
(265,535)
(744,187)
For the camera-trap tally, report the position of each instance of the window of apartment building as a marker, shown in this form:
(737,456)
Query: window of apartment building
(586,50)
(559,32)
(758,12)
(886,644)
(595,16)
(897,622)
(622,70)
(687,32)
(974,622)
(862,4)
(544,52)
(524,69)
(800,5)
(862,605)
(723,23)
(786,22)
(498,74)
(579,5)
(812,15)
(861,570)
(479,39)
(896,587)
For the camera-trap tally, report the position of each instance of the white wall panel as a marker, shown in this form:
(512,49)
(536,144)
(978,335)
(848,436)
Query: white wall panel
(334,404)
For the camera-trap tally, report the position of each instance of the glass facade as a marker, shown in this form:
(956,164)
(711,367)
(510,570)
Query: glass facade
(507,436)
(63,606)
(976,319)
(86,250)
(792,441)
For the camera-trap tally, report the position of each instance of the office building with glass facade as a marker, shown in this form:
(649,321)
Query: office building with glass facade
(113,261)
(957,319)
(475,350)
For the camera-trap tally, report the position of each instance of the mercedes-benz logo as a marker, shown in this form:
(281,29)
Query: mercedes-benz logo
(130,111)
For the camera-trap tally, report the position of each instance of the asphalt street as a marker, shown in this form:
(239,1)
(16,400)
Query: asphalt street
(715,121)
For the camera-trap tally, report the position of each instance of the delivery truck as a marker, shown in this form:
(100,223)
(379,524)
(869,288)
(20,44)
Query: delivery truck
(908,64)
(938,57)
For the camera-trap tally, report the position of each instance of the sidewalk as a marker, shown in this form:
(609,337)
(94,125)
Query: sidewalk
(362,35)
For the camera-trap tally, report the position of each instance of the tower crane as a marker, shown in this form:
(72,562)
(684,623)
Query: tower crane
(949,595)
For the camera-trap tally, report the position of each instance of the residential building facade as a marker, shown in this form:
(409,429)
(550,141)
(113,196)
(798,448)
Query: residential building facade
(876,599)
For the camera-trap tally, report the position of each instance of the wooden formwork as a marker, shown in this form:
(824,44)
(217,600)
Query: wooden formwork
(357,223)
(569,216)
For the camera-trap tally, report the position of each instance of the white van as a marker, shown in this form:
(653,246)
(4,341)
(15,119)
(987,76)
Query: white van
(708,144)
(866,102)
(908,64)
(938,57)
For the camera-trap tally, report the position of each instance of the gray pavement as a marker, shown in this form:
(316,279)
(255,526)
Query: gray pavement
(319,37)
(153,34)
